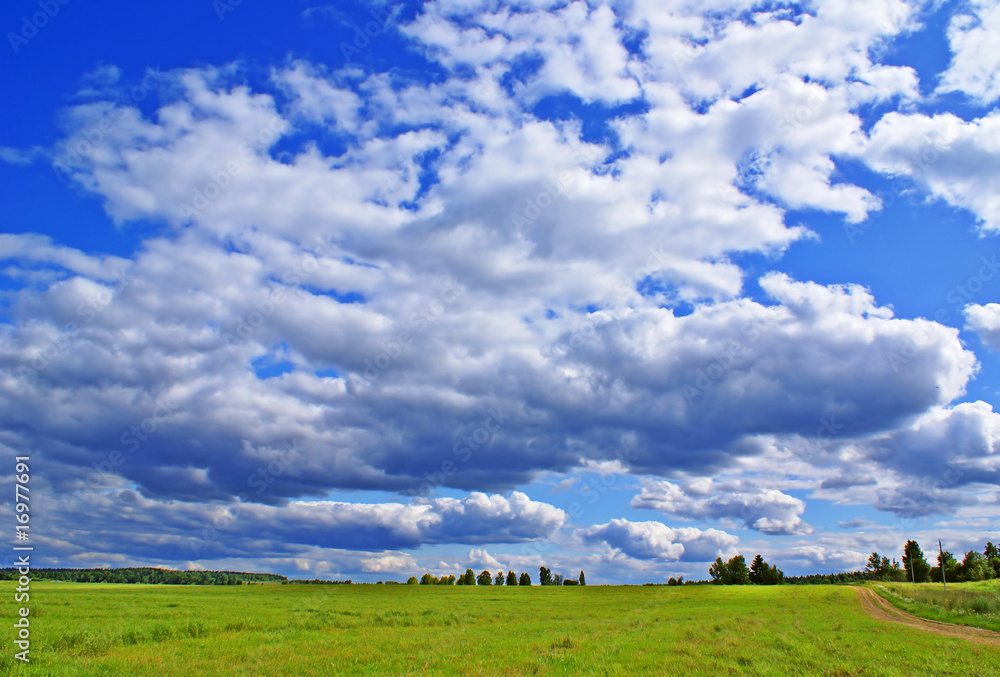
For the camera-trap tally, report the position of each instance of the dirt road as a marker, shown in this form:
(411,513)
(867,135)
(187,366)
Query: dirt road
(879,608)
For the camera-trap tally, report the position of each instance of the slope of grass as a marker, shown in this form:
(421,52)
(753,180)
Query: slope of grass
(121,630)
(975,604)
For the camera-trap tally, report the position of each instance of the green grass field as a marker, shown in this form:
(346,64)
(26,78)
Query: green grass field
(976,604)
(84,630)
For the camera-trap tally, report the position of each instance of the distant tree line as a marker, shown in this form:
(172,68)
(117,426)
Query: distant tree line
(318,581)
(975,566)
(545,577)
(827,579)
(736,572)
(147,575)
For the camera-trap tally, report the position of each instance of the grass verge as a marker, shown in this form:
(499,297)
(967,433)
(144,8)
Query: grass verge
(973,604)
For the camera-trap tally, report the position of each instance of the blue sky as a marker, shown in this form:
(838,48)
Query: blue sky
(371,289)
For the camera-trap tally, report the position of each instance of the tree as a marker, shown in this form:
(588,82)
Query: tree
(878,566)
(557,579)
(583,581)
(738,571)
(412,580)
(544,576)
(427,579)
(499,578)
(718,572)
(525,579)
(484,578)
(973,567)
(511,578)
(992,555)
(470,578)
(733,572)
(761,573)
(950,568)
(774,576)
(757,569)
(917,568)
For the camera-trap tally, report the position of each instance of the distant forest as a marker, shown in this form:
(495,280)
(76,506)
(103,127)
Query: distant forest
(147,575)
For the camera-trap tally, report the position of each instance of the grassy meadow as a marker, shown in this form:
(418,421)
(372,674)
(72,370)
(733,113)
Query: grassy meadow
(89,629)
(975,604)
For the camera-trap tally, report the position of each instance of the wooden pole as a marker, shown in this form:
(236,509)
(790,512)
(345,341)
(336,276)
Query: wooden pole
(941,557)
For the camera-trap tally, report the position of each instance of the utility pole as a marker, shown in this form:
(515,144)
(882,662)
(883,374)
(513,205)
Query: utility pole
(941,558)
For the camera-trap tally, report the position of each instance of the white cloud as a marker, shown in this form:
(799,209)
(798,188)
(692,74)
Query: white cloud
(469,294)
(766,510)
(317,98)
(975,64)
(655,540)
(985,321)
(952,159)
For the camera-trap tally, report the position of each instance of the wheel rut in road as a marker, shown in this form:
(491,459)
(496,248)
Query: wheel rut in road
(880,608)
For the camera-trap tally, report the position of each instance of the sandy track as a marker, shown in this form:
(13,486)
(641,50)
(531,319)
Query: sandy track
(880,608)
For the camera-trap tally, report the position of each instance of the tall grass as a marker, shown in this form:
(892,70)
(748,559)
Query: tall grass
(976,604)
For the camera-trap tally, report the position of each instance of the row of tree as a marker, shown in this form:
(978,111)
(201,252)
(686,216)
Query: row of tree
(146,575)
(975,566)
(829,579)
(736,572)
(545,577)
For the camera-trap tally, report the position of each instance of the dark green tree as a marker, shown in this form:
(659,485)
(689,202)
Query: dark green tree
(544,576)
(992,556)
(916,566)
(774,576)
(973,567)
(524,579)
(470,577)
(484,578)
(719,572)
(738,572)
(412,580)
(733,572)
(557,579)
(499,578)
(511,578)
(950,568)
(758,568)
(583,580)
(878,566)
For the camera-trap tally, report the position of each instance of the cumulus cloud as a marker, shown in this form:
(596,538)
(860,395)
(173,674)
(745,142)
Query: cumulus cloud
(975,63)
(948,446)
(952,159)
(655,540)
(766,510)
(985,321)
(153,528)
(468,289)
